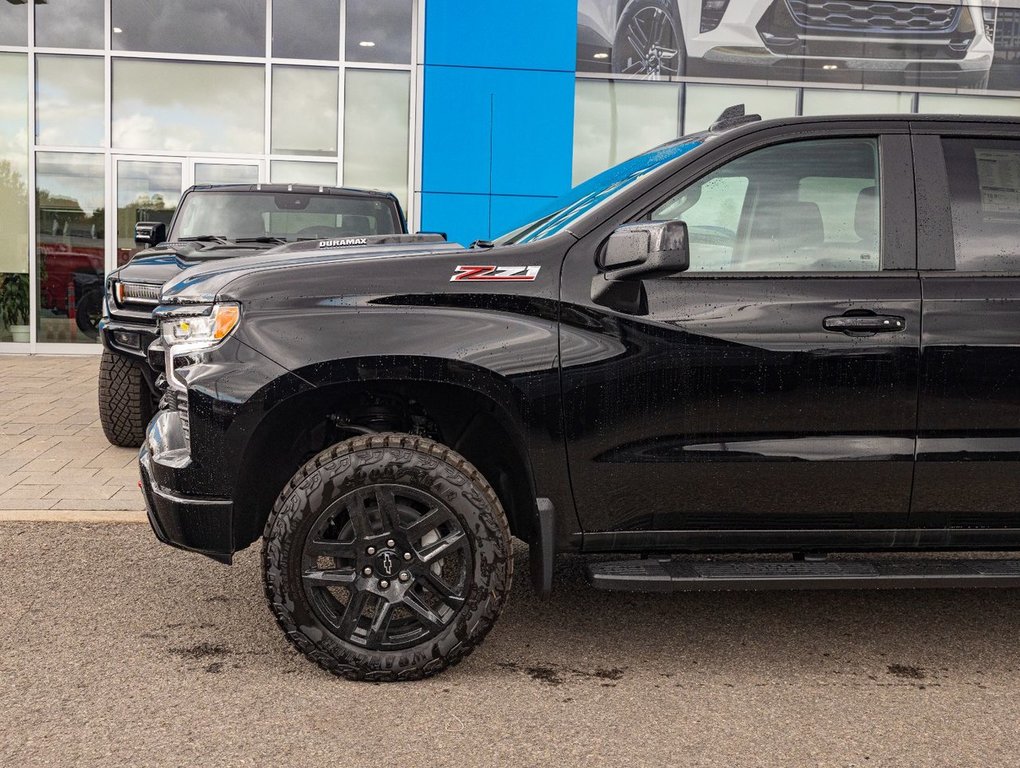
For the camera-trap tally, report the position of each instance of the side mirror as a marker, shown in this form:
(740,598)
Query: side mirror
(647,248)
(150,233)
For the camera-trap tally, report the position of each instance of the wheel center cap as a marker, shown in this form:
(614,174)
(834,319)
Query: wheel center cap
(387,563)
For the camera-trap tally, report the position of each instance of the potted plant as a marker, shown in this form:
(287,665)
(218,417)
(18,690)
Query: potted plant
(14,305)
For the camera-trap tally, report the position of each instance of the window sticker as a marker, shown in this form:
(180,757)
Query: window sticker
(999,180)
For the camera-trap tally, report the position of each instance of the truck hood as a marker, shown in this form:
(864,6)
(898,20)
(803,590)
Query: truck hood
(208,282)
(159,264)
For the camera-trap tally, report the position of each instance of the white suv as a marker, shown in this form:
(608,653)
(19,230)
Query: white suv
(875,41)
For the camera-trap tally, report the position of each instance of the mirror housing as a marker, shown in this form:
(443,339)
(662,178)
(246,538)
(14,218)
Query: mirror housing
(647,248)
(150,233)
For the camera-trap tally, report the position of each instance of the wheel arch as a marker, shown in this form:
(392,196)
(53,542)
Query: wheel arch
(430,397)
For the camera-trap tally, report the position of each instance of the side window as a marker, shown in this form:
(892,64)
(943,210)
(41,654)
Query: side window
(984,192)
(798,207)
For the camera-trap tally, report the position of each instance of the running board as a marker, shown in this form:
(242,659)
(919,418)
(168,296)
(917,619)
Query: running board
(685,575)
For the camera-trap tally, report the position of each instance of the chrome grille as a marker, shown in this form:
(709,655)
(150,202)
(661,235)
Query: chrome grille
(859,16)
(182,409)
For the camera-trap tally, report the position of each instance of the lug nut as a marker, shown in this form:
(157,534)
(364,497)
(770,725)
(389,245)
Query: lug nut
(407,555)
(404,575)
(370,550)
(367,571)
(391,543)
(383,584)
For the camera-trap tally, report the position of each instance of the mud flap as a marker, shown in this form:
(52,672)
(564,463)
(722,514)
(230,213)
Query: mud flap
(542,548)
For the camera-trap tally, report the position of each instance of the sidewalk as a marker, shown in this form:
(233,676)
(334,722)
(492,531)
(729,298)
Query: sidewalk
(54,458)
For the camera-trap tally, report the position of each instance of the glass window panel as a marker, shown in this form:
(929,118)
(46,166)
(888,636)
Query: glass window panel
(223,28)
(69,101)
(379,30)
(376,114)
(984,189)
(615,120)
(847,102)
(13,196)
(69,24)
(306,29)
(968,105)
(305,111)
(226,173)
(807,206)
(178,106)
(13,23)
(70,253)
(704,103)
(297,172)
(146,191)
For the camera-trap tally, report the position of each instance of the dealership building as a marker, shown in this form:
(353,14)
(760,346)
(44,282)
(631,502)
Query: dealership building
(475,114)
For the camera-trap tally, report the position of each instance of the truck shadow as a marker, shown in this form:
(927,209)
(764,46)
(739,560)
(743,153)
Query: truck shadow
(904,637)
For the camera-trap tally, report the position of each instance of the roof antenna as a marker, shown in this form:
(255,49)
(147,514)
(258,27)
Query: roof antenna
(731,117)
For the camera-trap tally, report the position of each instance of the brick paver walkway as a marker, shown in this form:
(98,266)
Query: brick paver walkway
(53,454)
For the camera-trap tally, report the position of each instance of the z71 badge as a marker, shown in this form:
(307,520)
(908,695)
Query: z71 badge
(492,273)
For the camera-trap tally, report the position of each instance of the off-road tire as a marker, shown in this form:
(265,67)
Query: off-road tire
(365,461)
(125,403)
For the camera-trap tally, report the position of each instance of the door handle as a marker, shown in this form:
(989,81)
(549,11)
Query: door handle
(864,325)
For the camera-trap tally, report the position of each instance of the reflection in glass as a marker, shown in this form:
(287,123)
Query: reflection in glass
(69,101)
(69,24)
(704,103)
(306,29)
(305,110)
(13,196)
(13,23)
(70,220)
(297,172)
(953,104)
(818,101)
(226,173)
(223,28)
(379,30)
(616,120)
(179,106)
(146,191)
(376,109)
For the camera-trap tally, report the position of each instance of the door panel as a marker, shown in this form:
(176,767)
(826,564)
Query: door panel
(744,393)
(968,455)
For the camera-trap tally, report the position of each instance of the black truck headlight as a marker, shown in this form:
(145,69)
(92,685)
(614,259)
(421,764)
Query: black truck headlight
(187,330)
(711,13)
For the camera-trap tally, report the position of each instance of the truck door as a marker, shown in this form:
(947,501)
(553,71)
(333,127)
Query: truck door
(968,462)
(773,385)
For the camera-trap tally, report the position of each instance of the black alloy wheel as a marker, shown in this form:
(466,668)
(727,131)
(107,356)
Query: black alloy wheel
(387,557)
(386,567)
(649,40)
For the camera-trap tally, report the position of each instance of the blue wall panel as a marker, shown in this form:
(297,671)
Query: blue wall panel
(514,34)
(498,112)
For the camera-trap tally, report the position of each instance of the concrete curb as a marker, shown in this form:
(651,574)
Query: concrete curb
(71,516)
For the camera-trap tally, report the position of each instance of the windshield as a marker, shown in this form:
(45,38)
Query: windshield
(286,216)
(585,196)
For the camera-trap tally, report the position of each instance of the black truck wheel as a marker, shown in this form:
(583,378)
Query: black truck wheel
(387,557)
(125,403)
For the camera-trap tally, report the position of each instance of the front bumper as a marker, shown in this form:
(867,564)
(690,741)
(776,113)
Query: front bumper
(197,524)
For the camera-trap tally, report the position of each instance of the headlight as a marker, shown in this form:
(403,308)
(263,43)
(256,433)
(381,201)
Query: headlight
(186,330)
(204,328)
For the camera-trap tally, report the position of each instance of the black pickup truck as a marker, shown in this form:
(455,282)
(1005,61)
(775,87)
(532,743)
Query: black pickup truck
(212,222)
(762,356)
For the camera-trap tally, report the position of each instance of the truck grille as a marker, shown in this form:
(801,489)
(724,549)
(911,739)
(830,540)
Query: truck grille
(860,16)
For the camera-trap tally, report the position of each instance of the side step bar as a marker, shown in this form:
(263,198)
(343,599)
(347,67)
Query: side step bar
(685,575)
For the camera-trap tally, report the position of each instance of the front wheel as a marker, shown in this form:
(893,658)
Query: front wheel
(387,557)
(649,40)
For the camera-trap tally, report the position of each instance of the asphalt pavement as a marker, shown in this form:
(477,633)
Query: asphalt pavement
(115,650)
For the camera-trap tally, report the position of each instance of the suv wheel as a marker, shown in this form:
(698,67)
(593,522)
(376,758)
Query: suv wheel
(387,557)
(125,403)
(650,40)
